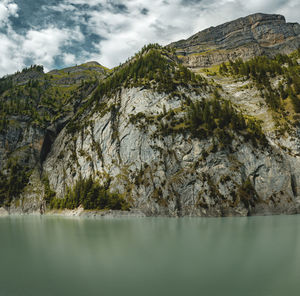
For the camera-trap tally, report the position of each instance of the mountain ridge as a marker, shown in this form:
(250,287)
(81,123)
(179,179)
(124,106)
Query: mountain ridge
(153,136)
(254,35)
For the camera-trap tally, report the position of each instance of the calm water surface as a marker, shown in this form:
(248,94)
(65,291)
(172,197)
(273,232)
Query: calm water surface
(150,256)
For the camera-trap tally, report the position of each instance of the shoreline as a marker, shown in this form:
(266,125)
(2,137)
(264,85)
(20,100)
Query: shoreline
(134,213)
(79,212)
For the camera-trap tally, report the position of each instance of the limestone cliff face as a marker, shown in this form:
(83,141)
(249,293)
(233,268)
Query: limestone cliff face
(244,38)
(173,175)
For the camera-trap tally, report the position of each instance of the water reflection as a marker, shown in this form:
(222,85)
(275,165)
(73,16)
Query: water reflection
(151,256)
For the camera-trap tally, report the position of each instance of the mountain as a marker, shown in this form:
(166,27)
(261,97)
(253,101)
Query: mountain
(254,35)
(153,137)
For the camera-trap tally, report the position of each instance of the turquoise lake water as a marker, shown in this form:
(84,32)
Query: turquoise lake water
(150,256)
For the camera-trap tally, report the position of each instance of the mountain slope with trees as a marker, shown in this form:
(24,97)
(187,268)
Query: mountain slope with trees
(153,135)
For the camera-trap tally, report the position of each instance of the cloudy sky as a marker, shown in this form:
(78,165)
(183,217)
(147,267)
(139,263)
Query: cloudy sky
(60,33)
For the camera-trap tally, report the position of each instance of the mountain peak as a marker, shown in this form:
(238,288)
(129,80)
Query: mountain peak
(256,34)
(256,17)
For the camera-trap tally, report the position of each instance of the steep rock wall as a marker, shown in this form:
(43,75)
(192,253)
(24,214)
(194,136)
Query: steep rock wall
(176,174)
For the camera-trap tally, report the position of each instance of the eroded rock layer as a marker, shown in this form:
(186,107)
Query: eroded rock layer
(244,38)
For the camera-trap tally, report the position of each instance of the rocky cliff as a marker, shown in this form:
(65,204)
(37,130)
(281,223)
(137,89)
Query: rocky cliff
(254,35)
(174,174)
(162,138)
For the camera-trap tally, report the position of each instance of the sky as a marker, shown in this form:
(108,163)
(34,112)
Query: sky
(61,33)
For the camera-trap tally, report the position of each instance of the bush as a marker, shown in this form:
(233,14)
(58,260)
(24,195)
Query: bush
(91,195)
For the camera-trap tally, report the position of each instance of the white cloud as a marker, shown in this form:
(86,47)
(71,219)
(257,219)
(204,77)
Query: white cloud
(10,61)
(7,8)
(41,46)
(168,21)
(44,45)
(126,33)
(122,26)
(69,58)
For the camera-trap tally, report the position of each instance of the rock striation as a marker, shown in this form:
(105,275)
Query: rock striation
(257,34)
(60,131)
(173,175)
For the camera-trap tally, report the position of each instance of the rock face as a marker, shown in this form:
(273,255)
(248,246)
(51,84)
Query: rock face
(257,34)
(28,131)
(173,175)
(120,138)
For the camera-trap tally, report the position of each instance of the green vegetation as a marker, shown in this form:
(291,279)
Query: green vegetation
(207,115)
(213,117)
(48,99)
(37,68)
(49,194)
(153,67)
(218,117)
(27,101)
(5,84)
(13,182)
(91,195)
(43,100)
(38,103)
(262,69)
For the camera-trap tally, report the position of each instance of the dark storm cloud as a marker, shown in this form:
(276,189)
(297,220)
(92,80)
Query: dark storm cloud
(59,33)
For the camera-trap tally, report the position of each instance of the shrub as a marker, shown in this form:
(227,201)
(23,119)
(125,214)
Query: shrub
(91,195)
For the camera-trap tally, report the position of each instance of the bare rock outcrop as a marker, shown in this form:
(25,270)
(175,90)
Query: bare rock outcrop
(257,34)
